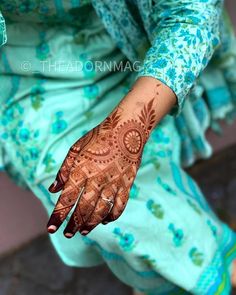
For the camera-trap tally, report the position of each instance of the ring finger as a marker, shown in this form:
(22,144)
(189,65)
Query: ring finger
(103,207)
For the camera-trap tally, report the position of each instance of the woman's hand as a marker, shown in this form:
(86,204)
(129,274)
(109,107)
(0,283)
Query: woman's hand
(99,169)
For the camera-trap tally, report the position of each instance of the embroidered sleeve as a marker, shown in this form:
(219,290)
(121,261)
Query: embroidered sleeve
(186,33)
(3,36)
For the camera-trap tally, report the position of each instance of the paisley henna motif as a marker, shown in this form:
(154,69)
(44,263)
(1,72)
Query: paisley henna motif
(148,116)
(104,163)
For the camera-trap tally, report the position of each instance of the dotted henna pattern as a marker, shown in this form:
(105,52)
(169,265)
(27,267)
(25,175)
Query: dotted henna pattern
(100,147)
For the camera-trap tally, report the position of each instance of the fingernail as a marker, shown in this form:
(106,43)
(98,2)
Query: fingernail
(52,229)
(68,235)
(84,232)
(53,186)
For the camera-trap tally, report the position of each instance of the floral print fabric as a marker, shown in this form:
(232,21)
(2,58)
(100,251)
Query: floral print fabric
(165,254)
(186,36)
(2,30)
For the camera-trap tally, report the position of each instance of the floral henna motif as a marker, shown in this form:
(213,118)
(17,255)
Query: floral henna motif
(148,116)
(104,163)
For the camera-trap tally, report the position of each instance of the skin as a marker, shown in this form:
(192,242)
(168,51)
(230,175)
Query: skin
(233,277)
(100,168)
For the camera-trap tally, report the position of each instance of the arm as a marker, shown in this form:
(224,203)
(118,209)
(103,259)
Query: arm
(144,91)
(185,35)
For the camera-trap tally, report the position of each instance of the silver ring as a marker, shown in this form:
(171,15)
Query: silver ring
(109,202)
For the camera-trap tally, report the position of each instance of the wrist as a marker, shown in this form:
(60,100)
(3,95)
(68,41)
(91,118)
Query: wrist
(147,102)
(139,112)
(148,95)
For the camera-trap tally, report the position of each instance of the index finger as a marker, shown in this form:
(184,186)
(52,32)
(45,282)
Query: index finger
(66,201)
(64,171)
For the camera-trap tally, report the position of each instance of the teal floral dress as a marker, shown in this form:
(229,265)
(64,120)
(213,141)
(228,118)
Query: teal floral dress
(52,93)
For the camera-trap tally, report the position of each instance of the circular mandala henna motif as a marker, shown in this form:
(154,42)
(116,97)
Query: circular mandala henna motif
(130,138)
(132,141)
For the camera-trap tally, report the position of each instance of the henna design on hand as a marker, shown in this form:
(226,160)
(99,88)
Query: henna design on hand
(63,173)
(104,162)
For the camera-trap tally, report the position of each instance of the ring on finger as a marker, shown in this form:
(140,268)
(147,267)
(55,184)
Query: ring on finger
(111,204)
